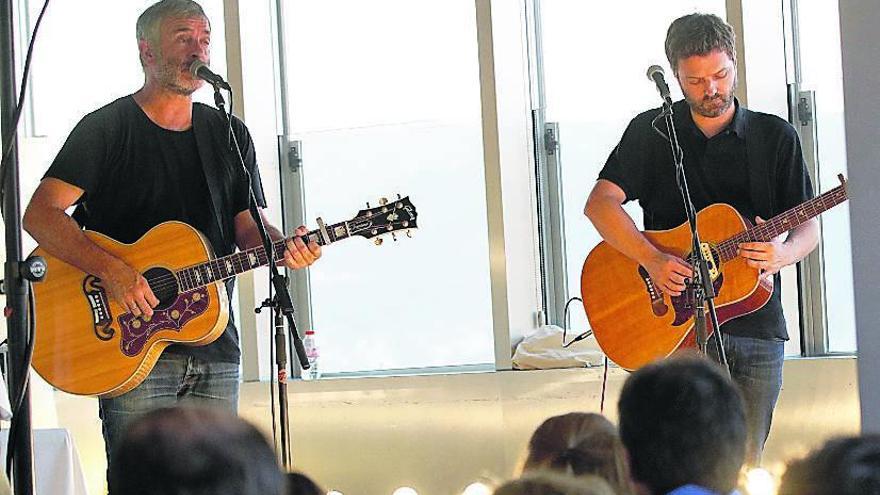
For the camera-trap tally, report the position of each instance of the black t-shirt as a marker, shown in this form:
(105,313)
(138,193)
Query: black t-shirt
(755,165)
(135,175)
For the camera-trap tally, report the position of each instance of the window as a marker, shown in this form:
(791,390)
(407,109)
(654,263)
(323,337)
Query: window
(595,57)
(821,72)
(384,97)
(83,62)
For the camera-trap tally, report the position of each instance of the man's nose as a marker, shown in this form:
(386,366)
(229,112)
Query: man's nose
(711,88)
(199,51)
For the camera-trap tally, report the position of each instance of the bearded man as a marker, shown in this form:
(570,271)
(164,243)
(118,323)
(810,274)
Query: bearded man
(749,160)
(147,158)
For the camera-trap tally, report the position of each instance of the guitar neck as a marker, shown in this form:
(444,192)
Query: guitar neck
(196,276)
(784,222)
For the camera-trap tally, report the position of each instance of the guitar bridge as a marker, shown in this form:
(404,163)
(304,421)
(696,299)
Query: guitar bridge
(658,306)
(101,317)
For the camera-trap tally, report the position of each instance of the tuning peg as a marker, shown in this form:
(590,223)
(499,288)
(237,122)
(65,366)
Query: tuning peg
(398,196)
(394,236)
(409,233)
(368,205)
(378,241)
(383,201)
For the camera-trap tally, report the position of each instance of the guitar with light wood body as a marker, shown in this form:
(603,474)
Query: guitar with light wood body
(634,323)
(88,344)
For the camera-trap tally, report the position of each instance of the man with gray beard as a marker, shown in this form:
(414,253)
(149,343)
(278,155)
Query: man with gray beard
(147,158)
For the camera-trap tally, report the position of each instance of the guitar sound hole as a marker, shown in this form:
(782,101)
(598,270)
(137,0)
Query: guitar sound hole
(164,285)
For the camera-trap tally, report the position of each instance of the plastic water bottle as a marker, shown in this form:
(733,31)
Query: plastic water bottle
(312,355)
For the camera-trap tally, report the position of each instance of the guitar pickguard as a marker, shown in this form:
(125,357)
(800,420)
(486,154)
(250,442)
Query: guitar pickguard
(685,311)
(136,331)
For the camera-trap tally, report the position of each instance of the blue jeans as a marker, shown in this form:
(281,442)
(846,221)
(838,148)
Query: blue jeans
(756,367)
(175,380)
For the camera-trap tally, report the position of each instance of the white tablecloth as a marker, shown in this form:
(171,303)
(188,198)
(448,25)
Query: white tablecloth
(56,462)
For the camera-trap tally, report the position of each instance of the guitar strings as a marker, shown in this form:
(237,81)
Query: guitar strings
(172,283)
(728,248)
(763,231)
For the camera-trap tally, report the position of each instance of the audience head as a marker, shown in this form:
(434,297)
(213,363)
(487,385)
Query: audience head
(843,466)
(194,451)
(580,443)
(300,484)
(555,483)
(683,422)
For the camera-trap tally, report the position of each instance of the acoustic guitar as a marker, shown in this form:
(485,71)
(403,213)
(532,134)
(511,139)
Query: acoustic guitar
(88,344)
(635,323)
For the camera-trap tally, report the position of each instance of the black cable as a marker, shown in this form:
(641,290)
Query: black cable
(229,120)
(565,325)
(582,337)
(272,376)
(7,143)
(604,387)
(18,397)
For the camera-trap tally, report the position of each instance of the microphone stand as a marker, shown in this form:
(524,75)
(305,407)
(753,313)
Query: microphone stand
(15,283)
(281,303)
(699,291)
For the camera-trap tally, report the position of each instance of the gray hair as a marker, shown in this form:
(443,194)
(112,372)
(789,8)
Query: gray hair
(150,21)
(698,34)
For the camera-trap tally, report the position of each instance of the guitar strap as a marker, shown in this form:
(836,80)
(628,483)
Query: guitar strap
(209,148)
(761,170)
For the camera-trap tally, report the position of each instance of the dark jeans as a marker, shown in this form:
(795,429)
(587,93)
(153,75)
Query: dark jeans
(756,366)
(175,380)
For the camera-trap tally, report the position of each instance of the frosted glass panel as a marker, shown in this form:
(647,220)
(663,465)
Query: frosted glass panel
(821,71)
(595,59)
(384,96)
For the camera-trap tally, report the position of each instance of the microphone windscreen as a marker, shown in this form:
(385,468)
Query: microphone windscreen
(195,67)
(653,70)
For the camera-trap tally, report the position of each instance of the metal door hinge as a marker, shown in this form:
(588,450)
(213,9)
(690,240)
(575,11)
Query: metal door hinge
(294,156)
(551,139)
(805,109)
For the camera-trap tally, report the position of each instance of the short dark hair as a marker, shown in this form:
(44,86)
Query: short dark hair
(683,422)
(194,451)
(300,484)
(580,443)
(698,34)
(843,466)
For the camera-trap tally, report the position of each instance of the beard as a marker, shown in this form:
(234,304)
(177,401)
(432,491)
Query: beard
(712,105)
(173,75)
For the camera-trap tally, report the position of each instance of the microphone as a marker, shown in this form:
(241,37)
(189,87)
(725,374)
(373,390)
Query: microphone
(200,70)
(655,73)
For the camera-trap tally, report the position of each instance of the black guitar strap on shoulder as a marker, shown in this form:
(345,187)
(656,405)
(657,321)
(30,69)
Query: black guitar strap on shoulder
(760,170)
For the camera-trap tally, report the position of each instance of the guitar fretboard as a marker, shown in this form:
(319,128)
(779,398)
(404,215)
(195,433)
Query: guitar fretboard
(783,222)
(196,276)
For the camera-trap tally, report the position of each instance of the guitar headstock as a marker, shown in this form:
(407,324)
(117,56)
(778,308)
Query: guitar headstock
(389,217)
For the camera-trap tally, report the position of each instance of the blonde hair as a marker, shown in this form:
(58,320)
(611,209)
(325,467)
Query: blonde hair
(554,483)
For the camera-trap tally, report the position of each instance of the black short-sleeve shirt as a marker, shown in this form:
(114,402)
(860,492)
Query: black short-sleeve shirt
(755,164)
(135,175)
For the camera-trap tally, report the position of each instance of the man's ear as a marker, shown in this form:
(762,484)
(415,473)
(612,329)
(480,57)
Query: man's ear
(147,53)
